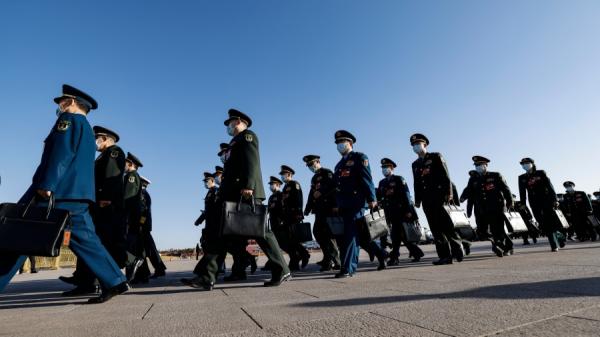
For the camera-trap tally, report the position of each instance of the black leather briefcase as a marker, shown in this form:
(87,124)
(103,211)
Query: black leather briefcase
(593,221)
(26,229)
(336,225)
(412,231)
(246,219)
(373,225)
(302,232)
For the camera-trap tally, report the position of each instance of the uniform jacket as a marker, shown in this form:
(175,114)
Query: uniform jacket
(431,179)
(322,182)
(577,204)
(292,202)
(108,172)
(537,187)
(146,201)
(490,191)
(67,165)
(353,181)
(212,212)
(242,169)
(394,196)
(132,198)
(275,209)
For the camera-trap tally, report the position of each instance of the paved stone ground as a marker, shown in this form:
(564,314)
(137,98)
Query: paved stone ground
(533,293)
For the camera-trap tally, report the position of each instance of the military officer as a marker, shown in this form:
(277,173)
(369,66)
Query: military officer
(433,189)
(133,214)
(276,216)
(579,208)
(210,216)
(66,173)
(321,202)
(292,204)
(149,243)
(354,192)
(564,208)
(535,185)
(596,204)
(223,154)
(243,178)
(107,212)
(394,196)
(218,175)
(493,197)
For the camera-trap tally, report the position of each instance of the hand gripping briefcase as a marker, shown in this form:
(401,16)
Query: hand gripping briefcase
(515,223)
(246,219)
(26,229)
(457,216)
(373,225)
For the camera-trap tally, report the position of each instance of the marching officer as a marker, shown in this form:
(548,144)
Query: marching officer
(292,203)
(66,173)
(354,192)
(149,243)
(321,202)
(107,212)
(535,185)
(433,189)
(579,208)
(243,178)
(133,214)
(394,196)
(218,175)
(210,241)
(276,216)
(492,195)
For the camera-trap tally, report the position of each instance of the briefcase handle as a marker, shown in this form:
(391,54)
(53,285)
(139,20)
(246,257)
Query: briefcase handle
(253,204)
(34,199)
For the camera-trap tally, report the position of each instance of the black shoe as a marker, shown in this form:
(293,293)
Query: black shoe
(233,278)
(555,250)
(132,269)
(508,252)
(562,243)
(459,258)
(467,249)
(68,279)
(197,283)
(158,273)
(305,260)
(442,261)
(343,275)
(34,271)
(497,251)
(336,266)
(278,282)
(416,259)
(253,265)
(371,256)
(140,280)
(381,266)
(110,293)
(326,267)
(534,241)
(393,262)
(81,291)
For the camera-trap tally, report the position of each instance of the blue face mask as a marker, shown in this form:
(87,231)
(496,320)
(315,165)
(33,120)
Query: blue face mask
(58,111)
(527,166)
(313,169)
(342,147)
(418,148)
(230,129)
(283,177)
(386,171)
(481,169)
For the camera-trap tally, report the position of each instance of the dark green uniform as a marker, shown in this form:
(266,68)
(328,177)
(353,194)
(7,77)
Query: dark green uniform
(433,189)
(292,203)
(579,207)
(394,196)
(211,242)
(276,220)
(492,195)
(242,171)
(133,214)
(536,187)
(321,202)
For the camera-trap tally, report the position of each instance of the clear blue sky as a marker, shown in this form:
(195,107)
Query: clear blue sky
(503,79)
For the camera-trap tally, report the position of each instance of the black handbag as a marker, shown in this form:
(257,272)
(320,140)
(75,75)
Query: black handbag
(26,229)
(244,219)
(593,221)
(336,225)
(412,231)
(302,232)
(374,225)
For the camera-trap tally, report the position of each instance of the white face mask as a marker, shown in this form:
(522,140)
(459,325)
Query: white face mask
(418,148)
(481,169)
(223,158)
(386,171)
(314,168)
(273,188)
(98,144)
(527,166)
(570,189)
(218,180)
(343,147)
(231,129)
(285,178)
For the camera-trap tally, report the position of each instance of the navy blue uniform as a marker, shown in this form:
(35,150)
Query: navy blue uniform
(354,188)
(67,170)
